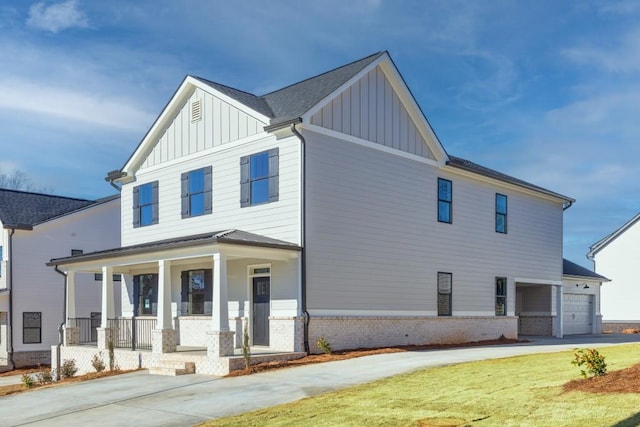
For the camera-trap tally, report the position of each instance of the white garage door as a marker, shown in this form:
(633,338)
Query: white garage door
(578,314)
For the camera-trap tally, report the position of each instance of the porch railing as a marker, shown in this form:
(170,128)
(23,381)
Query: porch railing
(132,333)
(88,329)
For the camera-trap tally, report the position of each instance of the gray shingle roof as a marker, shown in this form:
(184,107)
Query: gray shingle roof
(22,208)
(572,269)
(237,237)
(292,101)
(481,170)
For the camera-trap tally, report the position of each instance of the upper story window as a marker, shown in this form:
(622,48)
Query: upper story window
(501,213)
(444,200)
(259,178)
(196,190)
(501,296)
(444,294)
(145,204)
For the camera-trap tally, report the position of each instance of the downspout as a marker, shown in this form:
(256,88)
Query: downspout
(303,272)
(64,320)
(13,363)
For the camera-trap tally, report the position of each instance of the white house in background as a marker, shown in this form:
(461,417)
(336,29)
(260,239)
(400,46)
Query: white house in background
(617,256)
(328,208)
(33,228)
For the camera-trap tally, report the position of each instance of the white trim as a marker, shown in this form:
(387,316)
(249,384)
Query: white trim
(368,144)
(373,313)
(525,281)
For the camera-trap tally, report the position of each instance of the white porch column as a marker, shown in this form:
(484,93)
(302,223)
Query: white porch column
(108,309)
(71,296)
(164,295)
(559,312)
(220,312)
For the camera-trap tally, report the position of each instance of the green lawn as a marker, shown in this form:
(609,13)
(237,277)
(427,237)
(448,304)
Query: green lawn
(517,391)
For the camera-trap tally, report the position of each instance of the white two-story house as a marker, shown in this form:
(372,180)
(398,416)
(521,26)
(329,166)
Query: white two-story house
(34,228)
(328,208)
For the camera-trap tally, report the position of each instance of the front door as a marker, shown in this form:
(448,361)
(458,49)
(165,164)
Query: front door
(261,303)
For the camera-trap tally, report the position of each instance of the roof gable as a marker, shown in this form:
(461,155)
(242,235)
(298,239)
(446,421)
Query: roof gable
(26,209)
(605,241)
(572,269)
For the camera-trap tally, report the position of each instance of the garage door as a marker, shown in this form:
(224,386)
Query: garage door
(578,314)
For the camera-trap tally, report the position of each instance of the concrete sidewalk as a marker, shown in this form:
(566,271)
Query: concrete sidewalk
(145,400)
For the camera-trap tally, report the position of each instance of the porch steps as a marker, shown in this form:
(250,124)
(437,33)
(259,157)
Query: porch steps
(173,368)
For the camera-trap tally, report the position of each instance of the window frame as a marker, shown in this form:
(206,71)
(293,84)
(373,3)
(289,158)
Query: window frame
(445,203)
(25,328)
(187,195)
(248,179)
(501,215)
(442,293)
(501,297)
(138,207)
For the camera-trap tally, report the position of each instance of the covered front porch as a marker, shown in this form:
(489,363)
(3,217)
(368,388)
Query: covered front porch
(539,307)
(191,297)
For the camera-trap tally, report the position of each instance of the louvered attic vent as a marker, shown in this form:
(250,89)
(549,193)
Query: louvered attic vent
(196,110)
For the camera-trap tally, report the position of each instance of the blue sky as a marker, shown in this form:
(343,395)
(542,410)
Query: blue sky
(546,91)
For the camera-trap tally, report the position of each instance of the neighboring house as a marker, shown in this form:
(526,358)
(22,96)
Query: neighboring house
(328,208)
(33,228)
(617,257)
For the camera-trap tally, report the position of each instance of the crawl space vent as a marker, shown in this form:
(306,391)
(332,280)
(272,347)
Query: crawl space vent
(196,110)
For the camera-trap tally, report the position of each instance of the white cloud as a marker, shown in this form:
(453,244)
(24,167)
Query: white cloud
(56,17)
(621,55)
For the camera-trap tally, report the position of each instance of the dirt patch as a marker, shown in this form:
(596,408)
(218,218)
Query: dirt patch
(631,331)
(622,381)
(25,370)
(352,354)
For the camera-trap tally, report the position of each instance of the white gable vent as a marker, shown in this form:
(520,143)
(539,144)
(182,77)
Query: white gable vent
(196,110)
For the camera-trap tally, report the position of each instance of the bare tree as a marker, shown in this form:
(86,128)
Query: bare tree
(19,180)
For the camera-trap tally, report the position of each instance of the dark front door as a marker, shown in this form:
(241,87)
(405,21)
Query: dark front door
(261,302)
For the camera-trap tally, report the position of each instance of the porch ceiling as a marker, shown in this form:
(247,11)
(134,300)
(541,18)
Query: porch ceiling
(235,244)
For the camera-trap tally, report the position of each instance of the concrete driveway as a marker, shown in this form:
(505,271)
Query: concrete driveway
(141,399)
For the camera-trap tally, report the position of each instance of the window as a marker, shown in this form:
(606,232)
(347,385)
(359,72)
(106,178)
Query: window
(196,192)
(444,200)
(145,204)
(75,252)
(501,296)
(501,213)
(31,327)
(196,291)
(259,178)
(146,293)
(98,277)
(444,294)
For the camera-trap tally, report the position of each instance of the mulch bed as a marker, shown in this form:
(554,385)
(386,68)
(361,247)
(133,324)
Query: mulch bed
(351,354)
(622,381)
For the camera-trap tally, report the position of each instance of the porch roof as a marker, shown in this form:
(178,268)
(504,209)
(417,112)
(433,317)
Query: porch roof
(234,237)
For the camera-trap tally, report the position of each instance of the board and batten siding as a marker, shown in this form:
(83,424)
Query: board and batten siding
(279,220)
(620,262)
(374,244)
(370,109)
(38,288)
(220,124)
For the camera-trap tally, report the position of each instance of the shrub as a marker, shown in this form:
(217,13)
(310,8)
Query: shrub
(246,349)
(68,368)
(44,376)
(27,380)
(324,345)
(592,361)
(97,363)
(112,357)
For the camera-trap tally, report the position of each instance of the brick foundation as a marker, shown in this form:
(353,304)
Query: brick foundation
(536,325)
(616,327)
(163,340)
(370,332)
(31,358)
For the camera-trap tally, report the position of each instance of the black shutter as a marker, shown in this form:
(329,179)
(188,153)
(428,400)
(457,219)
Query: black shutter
(154,206)
(185,291)
(136,207)
(273,175)
(208,285)
(136,295)
(245,192)
(154,288)
(184,185)
(208,190)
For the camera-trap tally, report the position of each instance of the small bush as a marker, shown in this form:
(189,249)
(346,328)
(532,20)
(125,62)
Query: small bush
(592,361)
(68,368)
(246,349)
(324,345)
(44,376)
(28,381)
(98,363)
(112,356)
